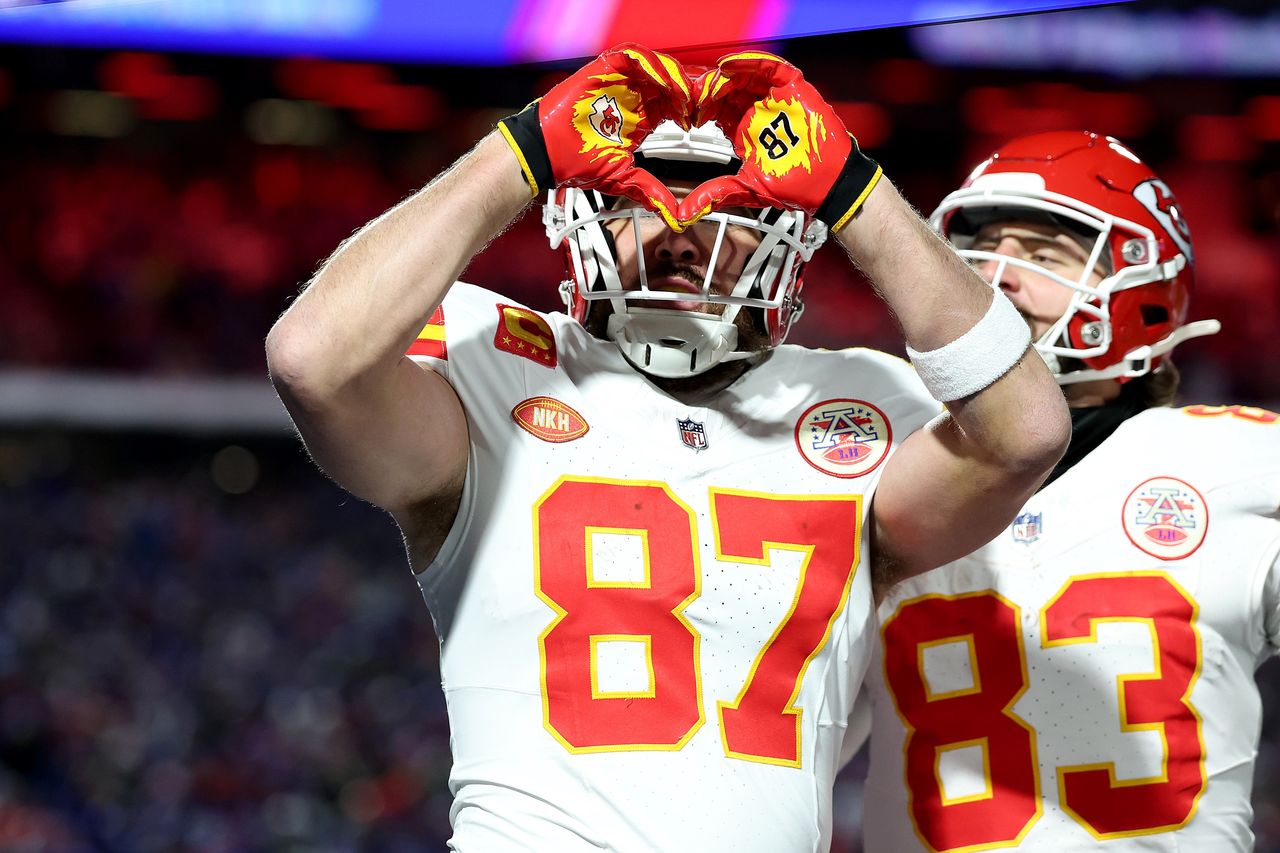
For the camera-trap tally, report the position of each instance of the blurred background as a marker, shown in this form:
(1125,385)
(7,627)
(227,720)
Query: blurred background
(204,644)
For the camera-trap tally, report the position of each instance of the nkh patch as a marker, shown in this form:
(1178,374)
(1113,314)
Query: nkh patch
(431,340)
(692,434)
(549,419)
(1165,517)
(1027,526)
(524,333)
(843,438)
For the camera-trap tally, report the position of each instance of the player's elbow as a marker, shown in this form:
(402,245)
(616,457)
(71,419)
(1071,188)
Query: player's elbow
(1040,456)
(297,367)
(1019,425)
(1036,436)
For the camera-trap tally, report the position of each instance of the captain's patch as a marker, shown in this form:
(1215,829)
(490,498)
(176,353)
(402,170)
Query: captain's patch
(522,332)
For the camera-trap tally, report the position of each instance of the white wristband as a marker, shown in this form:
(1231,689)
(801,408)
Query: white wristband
(978,357)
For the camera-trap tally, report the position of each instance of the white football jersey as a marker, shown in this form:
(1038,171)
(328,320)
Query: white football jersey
(653,617)
(1085,681)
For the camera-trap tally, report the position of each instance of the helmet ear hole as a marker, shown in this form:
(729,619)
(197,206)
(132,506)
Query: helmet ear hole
(1154,315)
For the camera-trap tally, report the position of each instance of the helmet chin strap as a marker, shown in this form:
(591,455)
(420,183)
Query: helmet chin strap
(673,344)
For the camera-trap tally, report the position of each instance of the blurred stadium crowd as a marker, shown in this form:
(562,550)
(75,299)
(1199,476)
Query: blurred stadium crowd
(208,649)
(204,645)
(145,233)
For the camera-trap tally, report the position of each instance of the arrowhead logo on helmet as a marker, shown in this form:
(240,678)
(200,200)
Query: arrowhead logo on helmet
(1156,197)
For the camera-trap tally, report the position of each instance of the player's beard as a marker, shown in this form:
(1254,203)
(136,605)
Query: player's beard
(751,337)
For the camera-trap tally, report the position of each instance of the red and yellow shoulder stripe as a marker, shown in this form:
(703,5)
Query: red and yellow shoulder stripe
(431,340)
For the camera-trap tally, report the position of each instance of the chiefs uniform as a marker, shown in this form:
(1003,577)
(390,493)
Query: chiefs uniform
(1085,681)
(653,616)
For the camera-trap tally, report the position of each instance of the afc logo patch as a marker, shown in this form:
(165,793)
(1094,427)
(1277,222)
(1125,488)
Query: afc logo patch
(522,332)
(1166,518)
(843,438)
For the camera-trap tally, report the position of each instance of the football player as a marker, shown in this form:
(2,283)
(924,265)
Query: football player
(641,527)
(1085,681)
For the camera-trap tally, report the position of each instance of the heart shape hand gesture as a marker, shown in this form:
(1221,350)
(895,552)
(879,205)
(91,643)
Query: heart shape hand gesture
(795,151)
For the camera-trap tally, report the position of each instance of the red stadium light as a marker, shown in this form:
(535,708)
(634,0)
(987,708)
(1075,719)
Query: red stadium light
(1216,139)
(1054,106)
(159,92)
(869,123)
(1264,117)
(367,89)
(402,108)
(277,181)
(905,81)
(1121,114)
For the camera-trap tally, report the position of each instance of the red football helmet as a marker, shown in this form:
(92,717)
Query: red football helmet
(1129,222)
(670,342)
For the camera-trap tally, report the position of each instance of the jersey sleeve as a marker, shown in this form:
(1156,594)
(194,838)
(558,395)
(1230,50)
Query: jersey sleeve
(1246,463)
(483,344)
(906,396)
(454,328)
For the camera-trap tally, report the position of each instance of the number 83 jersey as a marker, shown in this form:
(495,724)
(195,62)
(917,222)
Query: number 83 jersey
(653,616)
(1085,681)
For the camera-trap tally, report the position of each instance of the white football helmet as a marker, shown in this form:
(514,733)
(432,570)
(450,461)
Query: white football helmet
(672,342)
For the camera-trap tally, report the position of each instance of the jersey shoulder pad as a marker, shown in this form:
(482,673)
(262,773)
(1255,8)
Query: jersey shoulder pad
(1237,442)
(893,377)
(884,382)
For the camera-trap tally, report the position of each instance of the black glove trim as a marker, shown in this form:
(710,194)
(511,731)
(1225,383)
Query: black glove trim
(523,133)
(858,177)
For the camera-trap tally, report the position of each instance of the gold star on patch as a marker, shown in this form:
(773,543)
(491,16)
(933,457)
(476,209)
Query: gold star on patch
(506,339)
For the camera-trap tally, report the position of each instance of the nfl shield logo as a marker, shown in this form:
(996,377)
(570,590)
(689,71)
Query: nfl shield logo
(692,434)
(1026,527)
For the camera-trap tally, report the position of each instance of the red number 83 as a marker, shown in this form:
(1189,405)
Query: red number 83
(982,714)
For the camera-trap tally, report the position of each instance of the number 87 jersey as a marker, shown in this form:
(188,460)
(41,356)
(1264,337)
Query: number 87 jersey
(653,616)
(1085,681)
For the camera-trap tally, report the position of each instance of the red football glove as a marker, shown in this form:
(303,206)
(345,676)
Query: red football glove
(796,153)
(584,132)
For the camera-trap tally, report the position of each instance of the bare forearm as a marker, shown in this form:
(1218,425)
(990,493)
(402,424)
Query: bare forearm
(1018,420)
(368,301)
(935,296)
(996,444)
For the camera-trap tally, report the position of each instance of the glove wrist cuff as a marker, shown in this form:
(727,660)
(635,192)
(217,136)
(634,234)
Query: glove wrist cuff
(858,177)
(523,133)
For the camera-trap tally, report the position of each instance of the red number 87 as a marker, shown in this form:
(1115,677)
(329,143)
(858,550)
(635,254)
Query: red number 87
(762,723)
